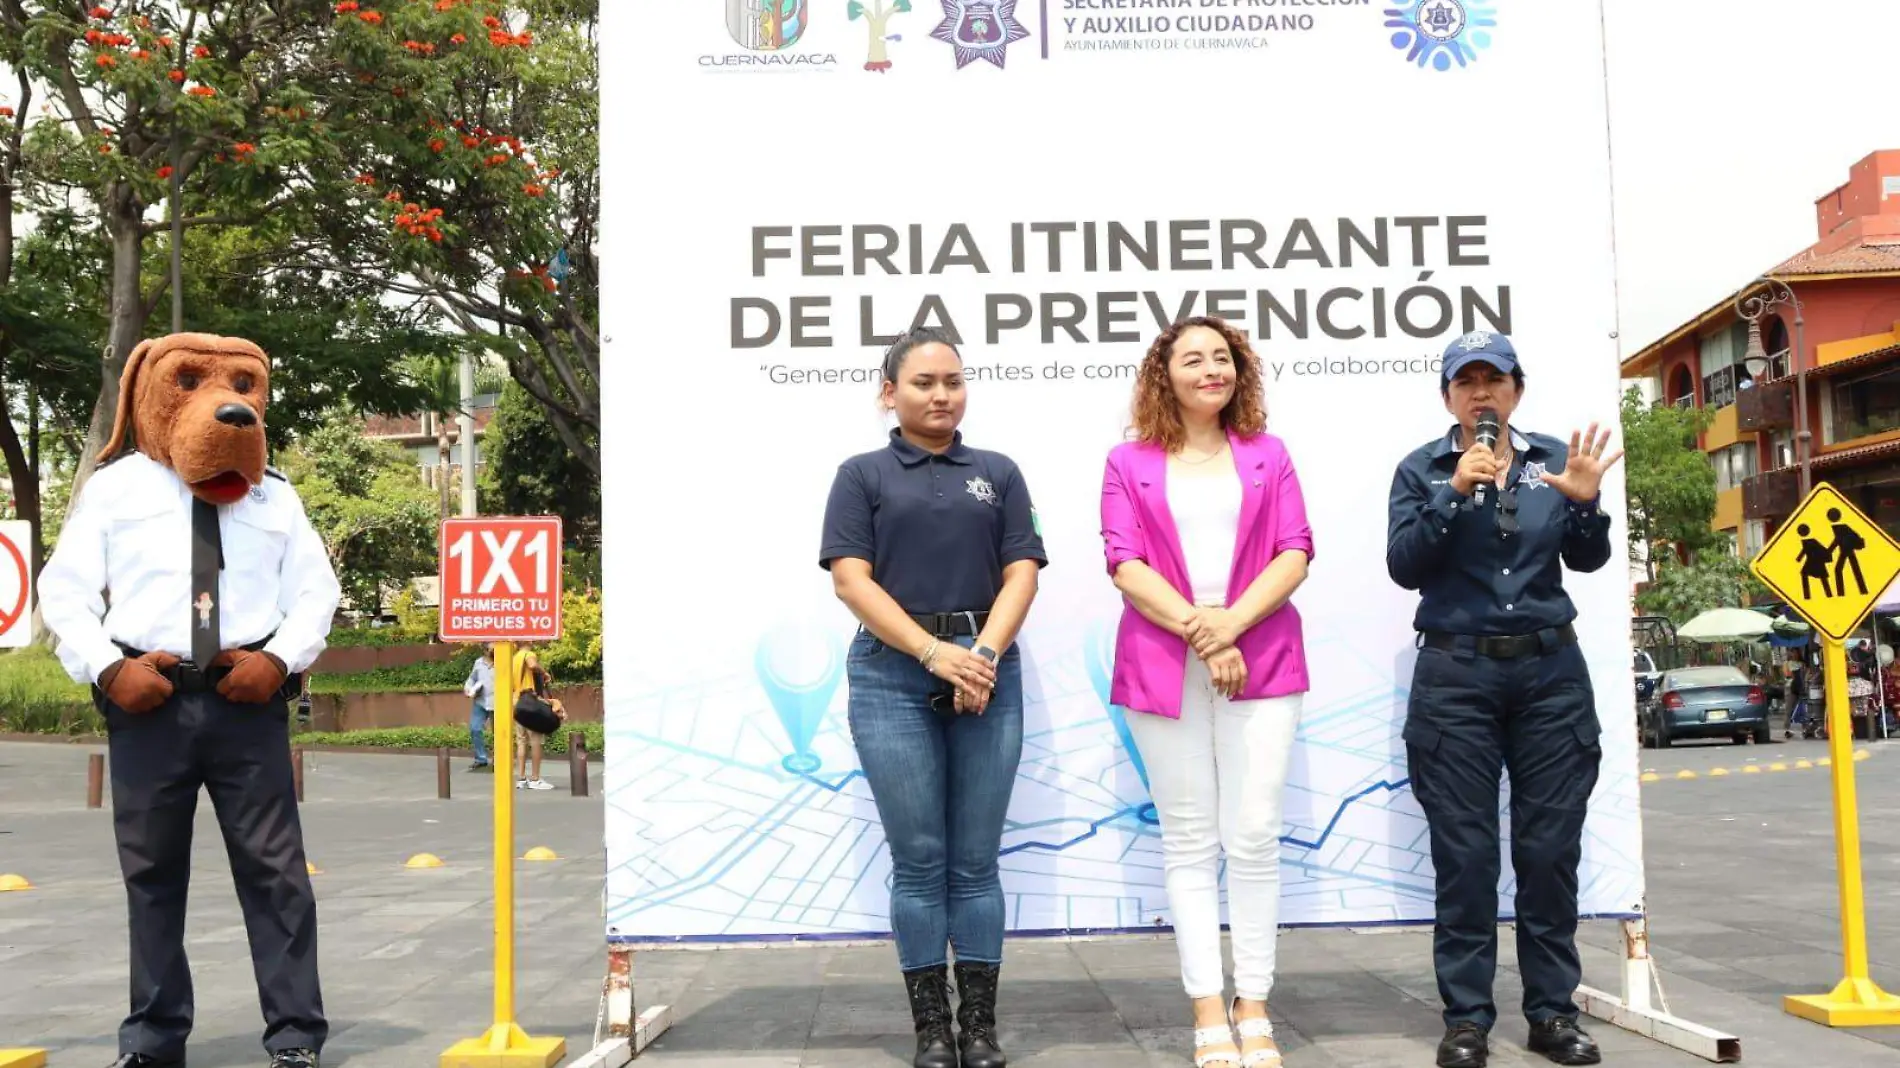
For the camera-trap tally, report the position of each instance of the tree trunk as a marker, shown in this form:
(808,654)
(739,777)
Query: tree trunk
(127,327)
(442,460)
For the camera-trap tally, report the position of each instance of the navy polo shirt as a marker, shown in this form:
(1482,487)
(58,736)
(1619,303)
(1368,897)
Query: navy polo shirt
(1473,577)
(938,530)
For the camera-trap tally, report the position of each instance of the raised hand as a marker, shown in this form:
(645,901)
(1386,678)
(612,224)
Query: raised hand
(1582,476)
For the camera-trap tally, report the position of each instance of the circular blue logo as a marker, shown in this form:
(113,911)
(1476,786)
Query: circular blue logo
(1441,34)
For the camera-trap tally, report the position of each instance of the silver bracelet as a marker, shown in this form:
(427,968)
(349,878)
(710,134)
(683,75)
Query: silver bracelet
(930,653)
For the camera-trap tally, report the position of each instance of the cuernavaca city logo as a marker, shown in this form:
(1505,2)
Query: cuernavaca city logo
(765,25)
(979,29)
(1441,34)
(876,14)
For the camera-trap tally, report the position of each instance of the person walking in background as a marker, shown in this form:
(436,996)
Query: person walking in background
(1483,521)
(1207,538)
(480,688)
(532,681)
(933,545)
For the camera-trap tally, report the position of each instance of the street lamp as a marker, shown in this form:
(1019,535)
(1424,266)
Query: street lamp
(1752,303)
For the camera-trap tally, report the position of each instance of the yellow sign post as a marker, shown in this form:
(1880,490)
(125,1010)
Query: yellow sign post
(505,1045)
(1831,563)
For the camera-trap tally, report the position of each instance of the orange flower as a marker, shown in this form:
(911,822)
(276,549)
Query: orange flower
(201,52)
(392,195)
(165,172)
(365,179)
(438,145)
(94,37)
(460,38)
(533,190)
(204,91)
(106,61)
(244,148)
(346,7)
(165,42)
(100,13)
(374,18)
(177,77)
(105,150)
(444,5)
(497,160)
(5,112)
(492,22)
(470,142)
(141,54)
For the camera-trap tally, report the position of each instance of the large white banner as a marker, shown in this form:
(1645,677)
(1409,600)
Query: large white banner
(790,183)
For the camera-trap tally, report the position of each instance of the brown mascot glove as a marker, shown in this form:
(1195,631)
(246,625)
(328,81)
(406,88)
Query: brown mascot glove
(254,679)
(137,685)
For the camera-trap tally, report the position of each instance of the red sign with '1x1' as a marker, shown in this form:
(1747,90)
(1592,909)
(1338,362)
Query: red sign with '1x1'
(501,579)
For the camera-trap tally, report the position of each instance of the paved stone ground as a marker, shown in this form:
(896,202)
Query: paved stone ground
(1741,890)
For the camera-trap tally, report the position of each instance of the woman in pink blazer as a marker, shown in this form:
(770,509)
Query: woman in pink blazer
(1207,539)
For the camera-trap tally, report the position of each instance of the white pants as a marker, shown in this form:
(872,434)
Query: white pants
(1216,776)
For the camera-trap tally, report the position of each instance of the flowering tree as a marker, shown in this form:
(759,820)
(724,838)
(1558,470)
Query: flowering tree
(308,122)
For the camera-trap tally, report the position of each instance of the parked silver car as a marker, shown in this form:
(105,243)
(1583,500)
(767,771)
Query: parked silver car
(1705,702)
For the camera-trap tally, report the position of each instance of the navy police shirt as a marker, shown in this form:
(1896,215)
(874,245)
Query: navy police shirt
(1475,574)
(938,530)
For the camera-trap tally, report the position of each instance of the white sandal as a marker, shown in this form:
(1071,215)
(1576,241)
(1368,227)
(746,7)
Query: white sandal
(1259,1027)
(1214,1036)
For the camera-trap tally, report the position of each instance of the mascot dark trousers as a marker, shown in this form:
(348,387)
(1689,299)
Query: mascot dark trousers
(240,755)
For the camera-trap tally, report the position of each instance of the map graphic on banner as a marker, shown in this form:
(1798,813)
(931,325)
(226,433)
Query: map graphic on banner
(1054,186)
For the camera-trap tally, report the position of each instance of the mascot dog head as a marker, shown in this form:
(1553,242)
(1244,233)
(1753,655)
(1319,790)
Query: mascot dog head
(195,403)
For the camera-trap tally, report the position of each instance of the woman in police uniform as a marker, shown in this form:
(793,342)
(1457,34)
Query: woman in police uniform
(933,546)
(1484,534)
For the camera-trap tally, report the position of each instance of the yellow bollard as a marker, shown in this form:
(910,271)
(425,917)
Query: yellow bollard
(1716,773)
(1685,773)
(1751,769)
(14,882)
(1650,776)
(22,1058)
(1856,1001)
(505,1045)
(1804,763)
(423,860)
(540,853)
(1777,766)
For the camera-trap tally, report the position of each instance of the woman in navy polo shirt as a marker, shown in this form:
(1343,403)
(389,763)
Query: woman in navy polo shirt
(933,546)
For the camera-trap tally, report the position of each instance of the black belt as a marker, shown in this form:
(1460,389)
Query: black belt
(1501,647)
(187,677)
(951,624)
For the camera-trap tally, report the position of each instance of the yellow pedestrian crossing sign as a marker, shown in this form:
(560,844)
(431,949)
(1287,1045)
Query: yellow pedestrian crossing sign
(1829,562)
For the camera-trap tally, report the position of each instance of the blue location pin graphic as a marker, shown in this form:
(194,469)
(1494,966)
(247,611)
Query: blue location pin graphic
(799,669)
(1098,646)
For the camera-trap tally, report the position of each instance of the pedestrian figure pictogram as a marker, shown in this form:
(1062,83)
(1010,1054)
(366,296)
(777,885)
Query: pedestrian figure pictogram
(1829,562)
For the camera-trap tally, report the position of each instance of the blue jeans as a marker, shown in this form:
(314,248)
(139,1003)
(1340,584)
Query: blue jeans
(478,718)
(942,783)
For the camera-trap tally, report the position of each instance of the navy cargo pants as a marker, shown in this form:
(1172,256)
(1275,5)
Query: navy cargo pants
(1470,715)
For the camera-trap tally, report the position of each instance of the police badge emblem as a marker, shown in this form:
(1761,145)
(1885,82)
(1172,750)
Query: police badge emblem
(979,29)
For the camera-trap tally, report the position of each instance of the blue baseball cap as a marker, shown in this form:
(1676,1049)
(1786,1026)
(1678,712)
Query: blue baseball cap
(1480,346)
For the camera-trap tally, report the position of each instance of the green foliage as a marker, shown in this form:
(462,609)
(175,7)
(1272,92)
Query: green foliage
(364,637)
(415,625)
(576,657)
(529,470)
(440,676)
(1671,484)
(1683,591)
(36,696)
(447,738)
(375,516)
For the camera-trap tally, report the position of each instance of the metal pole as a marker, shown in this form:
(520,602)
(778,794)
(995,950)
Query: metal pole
(296,771)
(442,775)
(577,763)
(465,431)
(95,780)
(1803,435)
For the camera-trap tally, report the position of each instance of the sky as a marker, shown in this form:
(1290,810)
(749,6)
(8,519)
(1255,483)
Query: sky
(1727,122)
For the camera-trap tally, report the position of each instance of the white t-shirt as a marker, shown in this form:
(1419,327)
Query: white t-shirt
(1206,511)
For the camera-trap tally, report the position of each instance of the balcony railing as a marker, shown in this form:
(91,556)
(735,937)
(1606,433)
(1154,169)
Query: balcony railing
(1771,494)
(1766,405)
(1718,387)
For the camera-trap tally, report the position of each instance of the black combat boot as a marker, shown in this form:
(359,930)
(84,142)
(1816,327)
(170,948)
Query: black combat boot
(976,1016)
(929,990)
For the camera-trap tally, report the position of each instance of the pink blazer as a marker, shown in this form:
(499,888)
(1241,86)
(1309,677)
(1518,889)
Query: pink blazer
(1151,663)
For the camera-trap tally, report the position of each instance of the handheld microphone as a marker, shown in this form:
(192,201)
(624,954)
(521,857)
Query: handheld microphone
(1488,437)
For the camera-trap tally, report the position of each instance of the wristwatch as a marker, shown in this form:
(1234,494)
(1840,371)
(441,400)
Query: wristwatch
(986,653)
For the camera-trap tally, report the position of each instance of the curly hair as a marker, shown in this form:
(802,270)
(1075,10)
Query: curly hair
(1157,415)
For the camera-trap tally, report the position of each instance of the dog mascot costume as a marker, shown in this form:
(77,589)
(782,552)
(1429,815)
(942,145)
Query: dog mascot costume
(190,589)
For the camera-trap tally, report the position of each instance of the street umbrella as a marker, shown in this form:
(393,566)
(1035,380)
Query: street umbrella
(1727,625)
